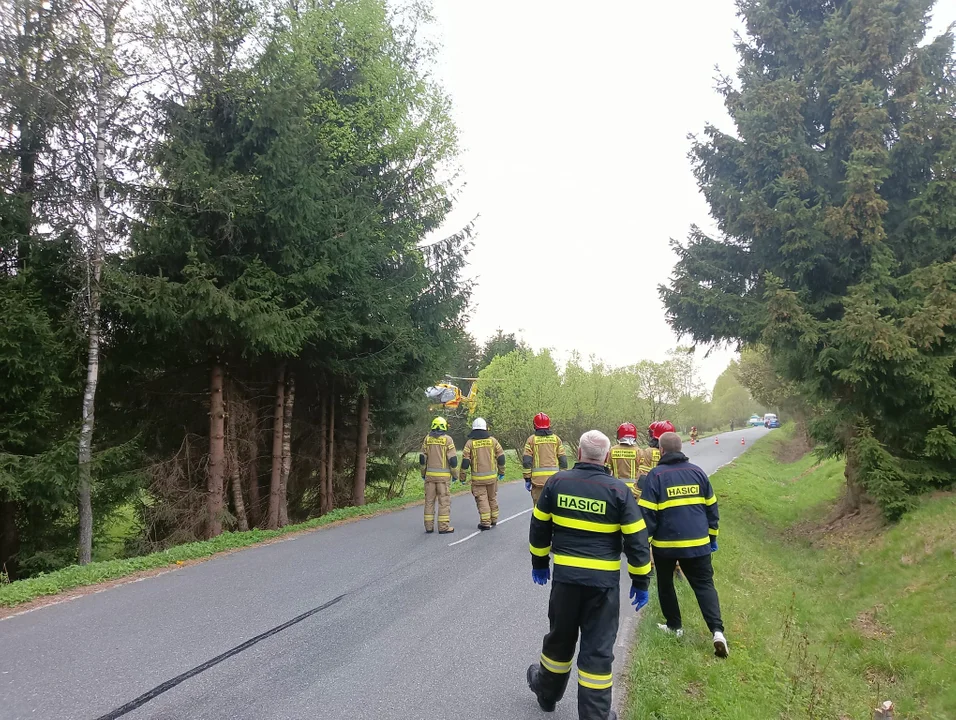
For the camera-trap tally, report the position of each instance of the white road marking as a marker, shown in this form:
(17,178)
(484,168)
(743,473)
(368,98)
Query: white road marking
(500,522)
(468,537)
(523,512)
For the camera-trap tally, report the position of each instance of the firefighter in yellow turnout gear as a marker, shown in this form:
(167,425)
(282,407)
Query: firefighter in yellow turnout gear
(627,461)
(543,456)
(485,458)
(438,461)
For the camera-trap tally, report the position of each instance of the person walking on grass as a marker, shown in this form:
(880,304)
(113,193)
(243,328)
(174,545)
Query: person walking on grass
(680,509)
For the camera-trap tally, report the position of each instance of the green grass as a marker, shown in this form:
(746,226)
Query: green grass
(822,629)
(75,576)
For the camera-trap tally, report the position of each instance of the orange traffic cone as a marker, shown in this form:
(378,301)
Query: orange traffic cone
(716,440)
(692,441)
(742,441)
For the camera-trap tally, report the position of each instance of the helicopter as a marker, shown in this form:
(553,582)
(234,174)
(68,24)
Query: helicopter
(448,396)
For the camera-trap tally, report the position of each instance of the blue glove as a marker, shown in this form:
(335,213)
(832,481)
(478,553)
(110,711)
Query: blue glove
(542,576)
(639,598)
(501,476)
(527,485)
(713,545)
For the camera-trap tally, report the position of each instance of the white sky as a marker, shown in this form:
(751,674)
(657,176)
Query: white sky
(574,122)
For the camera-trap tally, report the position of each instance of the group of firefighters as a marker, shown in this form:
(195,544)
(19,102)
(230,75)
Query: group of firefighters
(583,519)
(544,455)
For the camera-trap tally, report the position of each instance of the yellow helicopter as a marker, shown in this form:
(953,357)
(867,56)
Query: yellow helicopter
(447,396)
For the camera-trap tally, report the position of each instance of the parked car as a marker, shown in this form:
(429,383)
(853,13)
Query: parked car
(755,421)
(770,421)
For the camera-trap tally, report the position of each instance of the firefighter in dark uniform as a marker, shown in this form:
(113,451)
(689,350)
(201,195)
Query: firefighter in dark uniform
(680,507)
(585,517)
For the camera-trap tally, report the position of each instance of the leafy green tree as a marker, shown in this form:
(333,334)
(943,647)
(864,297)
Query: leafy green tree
(501,343)
(834,204)
(732,401)
(513,389)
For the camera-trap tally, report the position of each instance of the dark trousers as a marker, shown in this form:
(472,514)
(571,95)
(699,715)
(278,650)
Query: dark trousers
(594,612)
(699,572)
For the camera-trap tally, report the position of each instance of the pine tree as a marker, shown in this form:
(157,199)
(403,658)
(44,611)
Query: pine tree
(834,204)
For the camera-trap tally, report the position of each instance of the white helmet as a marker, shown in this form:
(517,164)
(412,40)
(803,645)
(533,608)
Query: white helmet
(479,424)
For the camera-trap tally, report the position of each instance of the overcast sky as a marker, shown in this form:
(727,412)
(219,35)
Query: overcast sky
(574,121)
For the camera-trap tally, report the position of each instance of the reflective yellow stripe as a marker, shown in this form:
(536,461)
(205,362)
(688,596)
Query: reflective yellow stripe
(442,518)
(594,677)
(633,527)
(542,516)
(681,543)
(648,504)
(712,500)
(588,563)
(680,502)
(554,666)
(543,473)
(713,532)
(641,570)
(595,686)
(595,682)
(484,476)
(541,552)
(437,473)
(585,524)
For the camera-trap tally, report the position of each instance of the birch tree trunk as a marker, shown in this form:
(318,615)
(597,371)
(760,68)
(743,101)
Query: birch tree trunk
(330,468)
(217,454)
(286,451)
(323,452)
(85,449)
(9,538)
(252,469)
(361,452)
(275,483)
(232,449)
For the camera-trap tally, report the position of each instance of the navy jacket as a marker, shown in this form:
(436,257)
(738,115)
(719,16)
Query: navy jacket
(586,518)
(680,508)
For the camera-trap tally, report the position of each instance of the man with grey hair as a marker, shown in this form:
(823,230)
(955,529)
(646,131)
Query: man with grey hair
(680,509)
(585,518)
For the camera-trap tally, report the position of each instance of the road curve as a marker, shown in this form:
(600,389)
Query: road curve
(367,620)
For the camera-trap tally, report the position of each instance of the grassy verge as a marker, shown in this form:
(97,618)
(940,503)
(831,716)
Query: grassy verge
(75,576)
(822,624)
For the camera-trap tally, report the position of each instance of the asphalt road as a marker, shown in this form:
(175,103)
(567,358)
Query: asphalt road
(398,625)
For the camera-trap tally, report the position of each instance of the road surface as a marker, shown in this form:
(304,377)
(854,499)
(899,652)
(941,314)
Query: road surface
(367,620)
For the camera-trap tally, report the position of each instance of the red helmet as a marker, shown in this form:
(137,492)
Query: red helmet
(658,428)
(627,430)
(542,422)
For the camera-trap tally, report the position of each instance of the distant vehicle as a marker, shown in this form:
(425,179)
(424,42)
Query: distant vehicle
(770,421)
(755,421)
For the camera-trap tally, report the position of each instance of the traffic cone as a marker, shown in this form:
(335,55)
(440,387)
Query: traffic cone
(692,441)
(716,440)
(742,441)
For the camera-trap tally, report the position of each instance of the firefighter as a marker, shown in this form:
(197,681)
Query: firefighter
(485,457)
(653,454)
(693,432)
(586,518)
(626,458)
(680,508)
(439,462)
(543,456)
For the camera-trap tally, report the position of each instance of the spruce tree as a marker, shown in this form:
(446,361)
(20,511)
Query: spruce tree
(834,203)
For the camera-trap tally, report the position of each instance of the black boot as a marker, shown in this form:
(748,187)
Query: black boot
(533,684)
